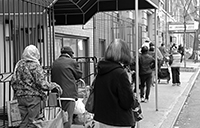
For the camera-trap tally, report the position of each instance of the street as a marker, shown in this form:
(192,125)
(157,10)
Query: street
(190,114)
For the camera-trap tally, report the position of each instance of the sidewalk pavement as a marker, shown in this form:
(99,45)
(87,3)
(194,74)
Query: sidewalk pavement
(170,99)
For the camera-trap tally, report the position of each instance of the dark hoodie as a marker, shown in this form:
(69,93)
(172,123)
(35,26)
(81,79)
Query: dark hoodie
(113,95)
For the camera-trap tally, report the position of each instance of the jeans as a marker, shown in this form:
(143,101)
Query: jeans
(30,108)
(68,105)
(175,75)
(146,81)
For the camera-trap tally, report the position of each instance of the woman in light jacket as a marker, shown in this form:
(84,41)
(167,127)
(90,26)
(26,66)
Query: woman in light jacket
(175,67)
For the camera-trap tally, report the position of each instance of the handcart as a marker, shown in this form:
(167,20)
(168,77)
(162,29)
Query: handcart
(163,73)
(52,115)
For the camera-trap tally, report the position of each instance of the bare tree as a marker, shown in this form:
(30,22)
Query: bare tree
(187,16)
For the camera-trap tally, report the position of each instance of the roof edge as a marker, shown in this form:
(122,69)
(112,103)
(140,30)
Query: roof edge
(153,3)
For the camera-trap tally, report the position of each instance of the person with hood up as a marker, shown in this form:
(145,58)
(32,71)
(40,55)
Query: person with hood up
(29,85)
(113,94)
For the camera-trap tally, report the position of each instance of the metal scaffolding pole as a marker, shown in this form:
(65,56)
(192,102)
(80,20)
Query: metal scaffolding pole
(136,50)
(156,54)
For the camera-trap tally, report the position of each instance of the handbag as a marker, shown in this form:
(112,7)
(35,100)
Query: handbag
(89,106)
(137,111)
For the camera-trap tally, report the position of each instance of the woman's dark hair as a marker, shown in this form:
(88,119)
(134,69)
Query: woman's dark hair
(118,51)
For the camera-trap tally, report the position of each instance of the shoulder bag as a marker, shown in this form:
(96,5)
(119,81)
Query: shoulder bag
(89,106)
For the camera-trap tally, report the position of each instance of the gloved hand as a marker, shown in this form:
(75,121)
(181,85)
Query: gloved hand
(54,85)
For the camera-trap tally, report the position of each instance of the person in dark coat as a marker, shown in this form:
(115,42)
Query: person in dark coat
(146,66)
(113,95)
(181,51)
(65,72)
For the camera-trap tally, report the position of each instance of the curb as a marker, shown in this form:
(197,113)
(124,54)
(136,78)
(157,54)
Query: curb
(174,113)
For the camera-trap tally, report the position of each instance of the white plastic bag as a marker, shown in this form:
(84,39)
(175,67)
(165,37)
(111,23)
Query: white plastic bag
(79,106)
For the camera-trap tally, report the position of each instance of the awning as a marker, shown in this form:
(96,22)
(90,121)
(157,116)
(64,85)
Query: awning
(74,12)
(18,6)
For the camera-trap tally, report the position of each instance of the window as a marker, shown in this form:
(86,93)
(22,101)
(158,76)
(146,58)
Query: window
(81,49)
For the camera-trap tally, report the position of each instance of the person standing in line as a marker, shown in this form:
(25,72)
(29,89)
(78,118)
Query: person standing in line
(175,67)
(164,52)
(113,95)
(152,53)
(195,56)
(65,72)
(146,66)
(148,43)
(181,51)
(29,85)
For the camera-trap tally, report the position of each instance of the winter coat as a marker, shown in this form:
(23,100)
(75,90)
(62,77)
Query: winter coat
(113,95)
(146,64)
(65,71)
(176,60)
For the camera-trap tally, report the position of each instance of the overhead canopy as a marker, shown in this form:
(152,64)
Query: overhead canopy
(74,12)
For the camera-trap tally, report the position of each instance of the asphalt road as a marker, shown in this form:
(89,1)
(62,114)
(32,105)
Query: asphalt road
(190,113)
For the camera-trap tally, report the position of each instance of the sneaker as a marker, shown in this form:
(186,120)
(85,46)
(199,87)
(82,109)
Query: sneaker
(174,84)
(178,84)
(142,100)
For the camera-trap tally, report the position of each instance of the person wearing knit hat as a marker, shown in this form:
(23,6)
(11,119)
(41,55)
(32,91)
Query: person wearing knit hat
(67,50)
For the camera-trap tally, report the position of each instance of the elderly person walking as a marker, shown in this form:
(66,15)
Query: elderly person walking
(65,71)
(29,85)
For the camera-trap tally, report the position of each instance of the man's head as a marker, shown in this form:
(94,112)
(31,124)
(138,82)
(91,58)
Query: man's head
(147,41)
(68,50)
(144,49)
